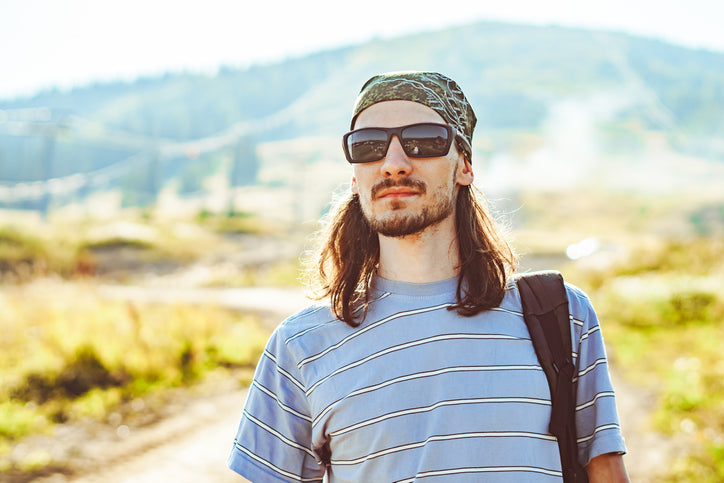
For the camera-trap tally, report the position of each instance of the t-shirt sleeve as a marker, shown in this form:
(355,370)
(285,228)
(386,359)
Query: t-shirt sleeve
(597,423)
(273,442)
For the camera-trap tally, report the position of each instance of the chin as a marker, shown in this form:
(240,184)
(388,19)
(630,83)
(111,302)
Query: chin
(394,204)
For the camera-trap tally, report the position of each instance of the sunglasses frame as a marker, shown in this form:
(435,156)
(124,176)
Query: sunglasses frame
(397,131)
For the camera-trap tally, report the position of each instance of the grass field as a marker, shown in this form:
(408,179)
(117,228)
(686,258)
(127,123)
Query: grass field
(68,355)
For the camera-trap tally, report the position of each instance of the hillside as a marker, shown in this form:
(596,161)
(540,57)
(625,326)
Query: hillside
(574,98)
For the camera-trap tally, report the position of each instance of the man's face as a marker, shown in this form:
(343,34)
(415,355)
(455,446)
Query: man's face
(400,195)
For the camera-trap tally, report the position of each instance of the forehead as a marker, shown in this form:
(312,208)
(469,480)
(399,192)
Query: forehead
(396,113)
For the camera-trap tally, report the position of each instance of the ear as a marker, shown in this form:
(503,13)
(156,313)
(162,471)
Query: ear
(465,175)
(353,187)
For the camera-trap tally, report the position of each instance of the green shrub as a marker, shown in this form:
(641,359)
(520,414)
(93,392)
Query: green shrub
(18,419)
(663,315)
(662,300)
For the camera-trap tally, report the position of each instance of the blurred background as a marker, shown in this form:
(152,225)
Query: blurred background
(164,164)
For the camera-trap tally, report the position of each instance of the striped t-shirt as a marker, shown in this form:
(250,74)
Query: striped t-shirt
(418,392)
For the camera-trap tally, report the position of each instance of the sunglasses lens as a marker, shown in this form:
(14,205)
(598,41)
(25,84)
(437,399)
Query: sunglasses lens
(367,145)
(425,140)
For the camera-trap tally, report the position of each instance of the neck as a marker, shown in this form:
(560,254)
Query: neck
(429,256)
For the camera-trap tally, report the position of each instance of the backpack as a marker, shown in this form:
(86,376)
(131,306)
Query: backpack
(546,314)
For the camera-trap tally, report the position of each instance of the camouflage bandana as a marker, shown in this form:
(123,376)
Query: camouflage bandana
(434,90)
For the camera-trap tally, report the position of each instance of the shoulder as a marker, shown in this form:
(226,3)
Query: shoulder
(576,294)
(310,317)
(282,348)
(308,331)
(579,303)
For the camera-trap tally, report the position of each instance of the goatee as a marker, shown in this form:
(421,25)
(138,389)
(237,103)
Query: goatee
(400,224)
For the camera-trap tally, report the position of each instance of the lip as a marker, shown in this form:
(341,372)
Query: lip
(397,192)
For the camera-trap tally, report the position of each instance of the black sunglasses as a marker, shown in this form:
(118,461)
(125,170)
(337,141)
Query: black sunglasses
(423,140)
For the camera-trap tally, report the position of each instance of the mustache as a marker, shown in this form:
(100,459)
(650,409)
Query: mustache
(406,182)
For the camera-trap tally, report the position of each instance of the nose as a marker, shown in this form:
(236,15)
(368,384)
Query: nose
(395,163)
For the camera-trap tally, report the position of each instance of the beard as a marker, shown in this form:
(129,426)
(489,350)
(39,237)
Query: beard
(397,223)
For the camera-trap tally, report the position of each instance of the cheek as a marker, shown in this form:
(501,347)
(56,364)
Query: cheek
(360,181)
(446,174)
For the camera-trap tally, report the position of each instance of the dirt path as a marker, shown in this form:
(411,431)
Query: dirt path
(189,447)
(192,444)
(274,304)
(649,453)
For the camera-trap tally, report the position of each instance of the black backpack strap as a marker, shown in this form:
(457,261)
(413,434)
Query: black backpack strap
(546,313)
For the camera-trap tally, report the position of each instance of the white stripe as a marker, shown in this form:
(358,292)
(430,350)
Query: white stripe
(576,321)
(383,296)
(447,437)
(283,371)
(591,367)
(593,401)
(598,429)
(494,469)
(407,345)
(269,465)
(279,403)
(508,311)
(310,328)
(305,331)
(277,433)
(585,336)
(421,375)
(370,327)
(453,402)
(311,310)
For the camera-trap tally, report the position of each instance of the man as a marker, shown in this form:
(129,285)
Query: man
(421,366)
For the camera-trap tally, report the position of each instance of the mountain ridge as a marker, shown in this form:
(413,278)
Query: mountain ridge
(529,85)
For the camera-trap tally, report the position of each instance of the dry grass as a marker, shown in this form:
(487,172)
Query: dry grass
(66,354)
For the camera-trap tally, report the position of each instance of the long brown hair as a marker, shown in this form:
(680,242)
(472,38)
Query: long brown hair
(349,252)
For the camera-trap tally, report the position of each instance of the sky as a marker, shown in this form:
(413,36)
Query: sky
(66,43)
